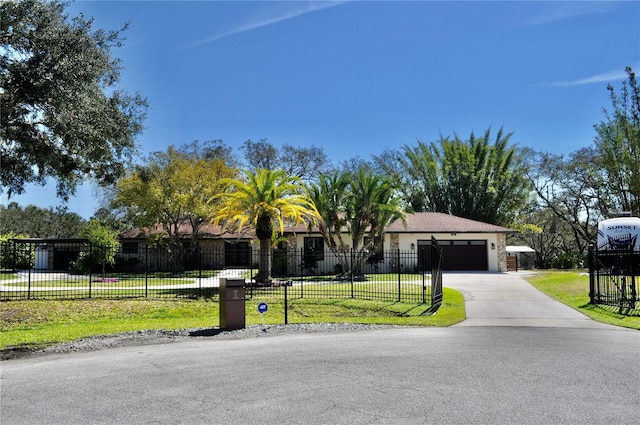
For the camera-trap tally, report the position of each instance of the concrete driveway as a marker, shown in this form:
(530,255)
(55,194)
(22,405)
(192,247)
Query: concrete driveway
(506,299)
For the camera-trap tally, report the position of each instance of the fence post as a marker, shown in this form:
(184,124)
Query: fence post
(399,276)
(90,264)
(286,305)
(15,255)
(29,274)
(250,282)
(351,272)
(634,292)
(299,261)
(146,270)
(199,272)
(592,289)
(424,289)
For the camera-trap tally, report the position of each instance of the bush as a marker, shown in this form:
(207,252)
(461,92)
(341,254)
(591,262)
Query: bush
(15,256)
(82,265)
(568,260)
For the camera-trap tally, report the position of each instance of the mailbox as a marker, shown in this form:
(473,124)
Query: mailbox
(232,304)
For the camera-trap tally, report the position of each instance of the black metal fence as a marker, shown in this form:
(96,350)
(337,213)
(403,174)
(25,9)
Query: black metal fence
(74,269)
(613,278)
(436,274)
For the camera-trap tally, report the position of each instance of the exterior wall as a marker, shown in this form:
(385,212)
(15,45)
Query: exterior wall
(493,247)
(213,254)
(292,257)
(133,260)
(501,245)
(408,242)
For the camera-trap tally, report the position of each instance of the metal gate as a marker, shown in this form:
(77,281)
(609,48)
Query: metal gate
(436,274)
(612,278)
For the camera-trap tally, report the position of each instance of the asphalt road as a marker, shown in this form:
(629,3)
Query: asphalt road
(498,374)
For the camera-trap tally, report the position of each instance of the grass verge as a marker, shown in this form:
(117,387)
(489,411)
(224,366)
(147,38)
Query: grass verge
(572,289)
(36,324)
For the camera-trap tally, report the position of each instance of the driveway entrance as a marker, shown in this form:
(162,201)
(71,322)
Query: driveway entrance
(506,299)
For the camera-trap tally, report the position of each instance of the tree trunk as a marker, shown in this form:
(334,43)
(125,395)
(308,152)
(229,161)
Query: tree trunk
(264,231)
(264,269)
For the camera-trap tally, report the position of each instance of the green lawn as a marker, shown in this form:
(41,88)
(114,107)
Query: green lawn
(32,323)
(572,289)
(83,281)
(7,276)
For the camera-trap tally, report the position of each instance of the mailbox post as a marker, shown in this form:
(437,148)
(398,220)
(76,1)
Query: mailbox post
(232,307)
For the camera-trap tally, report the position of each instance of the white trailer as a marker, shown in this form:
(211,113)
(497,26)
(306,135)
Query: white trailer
(619,233)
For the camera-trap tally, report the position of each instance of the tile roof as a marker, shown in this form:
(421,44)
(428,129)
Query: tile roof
(429,222)
(207,231)
(426,222)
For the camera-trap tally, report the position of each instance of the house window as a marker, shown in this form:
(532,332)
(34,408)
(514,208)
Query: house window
(314,248)
(130,247)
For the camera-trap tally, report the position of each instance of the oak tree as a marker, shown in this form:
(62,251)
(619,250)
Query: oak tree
(173,188)
(63,113)
(618,144)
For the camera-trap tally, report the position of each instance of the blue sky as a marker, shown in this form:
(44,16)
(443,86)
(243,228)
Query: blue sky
(356,77)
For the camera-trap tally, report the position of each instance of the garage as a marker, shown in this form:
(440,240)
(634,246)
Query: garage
(467,245)
(457,255)
(464,254)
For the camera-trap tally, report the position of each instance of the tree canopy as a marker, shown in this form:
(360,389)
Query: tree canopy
(596,182)
(104,247)
(618,145)
(173,187)
(574,190)
(305,163)
(266,200)
(63,115)
(477,178)
(35,222)
(364,203)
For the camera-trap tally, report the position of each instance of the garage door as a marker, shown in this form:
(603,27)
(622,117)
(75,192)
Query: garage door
(461,255)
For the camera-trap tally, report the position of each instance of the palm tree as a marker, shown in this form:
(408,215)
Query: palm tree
(362,202)
(329,195)
(266,200)
(474,178)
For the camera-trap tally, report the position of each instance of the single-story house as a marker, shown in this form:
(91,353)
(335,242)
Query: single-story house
(466,244)
(218,247)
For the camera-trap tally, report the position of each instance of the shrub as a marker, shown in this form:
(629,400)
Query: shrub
(568,260)
(15,256)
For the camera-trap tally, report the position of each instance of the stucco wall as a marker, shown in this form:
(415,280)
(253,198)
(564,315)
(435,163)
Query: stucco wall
(408,242)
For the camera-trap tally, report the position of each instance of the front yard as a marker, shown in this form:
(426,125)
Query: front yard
(572,289)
